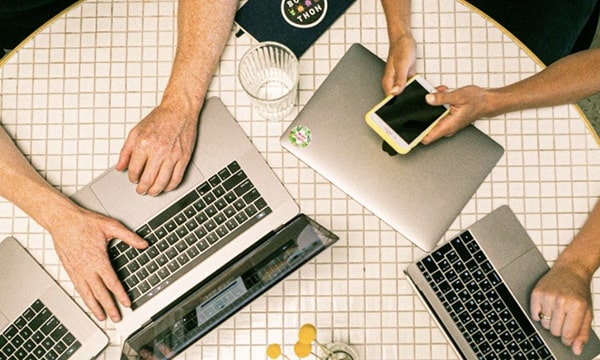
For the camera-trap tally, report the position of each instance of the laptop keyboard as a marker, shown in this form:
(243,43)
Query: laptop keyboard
(188,231)
(37,334)
(477,299)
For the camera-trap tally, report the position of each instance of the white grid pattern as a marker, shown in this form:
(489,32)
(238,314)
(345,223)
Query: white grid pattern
(71,94)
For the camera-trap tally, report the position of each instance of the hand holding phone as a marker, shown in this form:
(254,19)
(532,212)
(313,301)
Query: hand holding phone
(403,120)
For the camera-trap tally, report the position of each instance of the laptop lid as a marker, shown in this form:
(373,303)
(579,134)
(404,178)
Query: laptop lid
(29,293)
(418,194)
(230,289)
(220,141)
(518,262)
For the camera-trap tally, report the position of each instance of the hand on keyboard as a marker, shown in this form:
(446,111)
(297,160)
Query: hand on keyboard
(157,151)
(562,302)
(81,244)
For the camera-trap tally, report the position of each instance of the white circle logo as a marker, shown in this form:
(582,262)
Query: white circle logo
(303,13)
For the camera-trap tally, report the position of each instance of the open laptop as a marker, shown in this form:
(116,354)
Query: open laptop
(229,200)
(478,285)
(38,319)
(228,289)
(419,194)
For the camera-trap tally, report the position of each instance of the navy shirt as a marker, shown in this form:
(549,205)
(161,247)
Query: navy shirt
(19,18)
(551,29)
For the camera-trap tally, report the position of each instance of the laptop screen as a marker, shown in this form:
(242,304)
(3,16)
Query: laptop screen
(229,289)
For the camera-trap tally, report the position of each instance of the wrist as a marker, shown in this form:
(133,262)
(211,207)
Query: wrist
(496,102)
(53,209)
(583,265)
(181,102)
(398,32)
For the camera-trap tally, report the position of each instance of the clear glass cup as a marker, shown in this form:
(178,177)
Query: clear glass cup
(269,75)
(340,351)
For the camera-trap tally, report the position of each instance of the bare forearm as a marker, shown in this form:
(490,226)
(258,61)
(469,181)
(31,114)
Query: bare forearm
(563,82)
(397,14)
(583,253)
(22,185)
(203,30)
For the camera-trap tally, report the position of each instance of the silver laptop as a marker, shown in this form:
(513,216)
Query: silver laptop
(419,194)
(229,199)
(478,286)
(37,318)
(228,289)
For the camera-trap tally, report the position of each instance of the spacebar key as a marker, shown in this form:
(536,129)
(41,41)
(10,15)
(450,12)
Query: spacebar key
(173,209)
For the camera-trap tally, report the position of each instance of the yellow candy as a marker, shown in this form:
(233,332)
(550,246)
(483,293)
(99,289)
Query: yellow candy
(302,350)
(307,333)
(273,351)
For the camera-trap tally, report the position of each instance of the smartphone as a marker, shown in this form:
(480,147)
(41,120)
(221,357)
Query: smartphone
(403,120)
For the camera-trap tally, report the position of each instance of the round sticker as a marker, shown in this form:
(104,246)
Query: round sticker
(303,13)
(300,136)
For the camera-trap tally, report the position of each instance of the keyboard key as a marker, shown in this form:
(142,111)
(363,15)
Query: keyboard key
(144,231)
(214,180)
(50,325)
(251,196)
(235,180)
(204,188)
(234,166)
(224,173)
(209,198)
(461,250)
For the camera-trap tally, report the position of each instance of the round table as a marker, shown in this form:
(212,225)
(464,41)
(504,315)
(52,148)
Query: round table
(74,90)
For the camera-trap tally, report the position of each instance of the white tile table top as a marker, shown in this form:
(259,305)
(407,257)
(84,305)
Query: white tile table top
(71,94)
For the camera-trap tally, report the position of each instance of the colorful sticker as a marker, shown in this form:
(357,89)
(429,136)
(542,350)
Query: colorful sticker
(303,13)
(300,136)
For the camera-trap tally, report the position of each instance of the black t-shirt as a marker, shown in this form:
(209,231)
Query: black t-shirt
(19,18)
(551,29)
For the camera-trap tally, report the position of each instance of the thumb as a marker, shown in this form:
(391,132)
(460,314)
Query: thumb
(124,158)
(437,98)
(584,334)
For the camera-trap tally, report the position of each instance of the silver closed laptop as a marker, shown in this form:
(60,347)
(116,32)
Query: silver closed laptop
(418,194)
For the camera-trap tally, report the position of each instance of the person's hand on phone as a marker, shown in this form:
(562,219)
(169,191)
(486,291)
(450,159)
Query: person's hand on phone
(400,64)
(467,104)
(403,120)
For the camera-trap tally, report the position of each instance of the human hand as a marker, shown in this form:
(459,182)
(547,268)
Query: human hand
(562,302)
(81,244)
(158,150)
(400,64)
(467,104)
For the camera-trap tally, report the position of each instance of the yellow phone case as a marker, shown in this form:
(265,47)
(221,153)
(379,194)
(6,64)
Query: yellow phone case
(383,133)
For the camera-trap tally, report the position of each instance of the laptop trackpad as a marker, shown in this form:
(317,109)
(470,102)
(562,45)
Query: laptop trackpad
(3,321)
(121,202)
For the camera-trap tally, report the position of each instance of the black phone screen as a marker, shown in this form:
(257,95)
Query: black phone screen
(408,114)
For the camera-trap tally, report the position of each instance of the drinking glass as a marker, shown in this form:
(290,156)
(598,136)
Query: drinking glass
(268,73)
